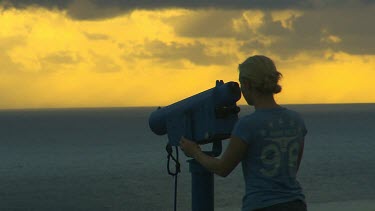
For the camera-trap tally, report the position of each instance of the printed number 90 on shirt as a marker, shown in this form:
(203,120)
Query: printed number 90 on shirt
(273,153)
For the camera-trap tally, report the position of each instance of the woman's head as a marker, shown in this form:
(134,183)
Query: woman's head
(261,74)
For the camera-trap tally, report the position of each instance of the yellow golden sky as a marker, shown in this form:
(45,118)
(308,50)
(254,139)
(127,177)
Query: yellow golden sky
(156,57)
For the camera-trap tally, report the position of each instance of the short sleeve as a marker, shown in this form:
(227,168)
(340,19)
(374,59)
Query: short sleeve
(301,124)
(242,130)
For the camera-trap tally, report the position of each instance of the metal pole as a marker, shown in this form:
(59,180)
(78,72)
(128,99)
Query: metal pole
(202,188)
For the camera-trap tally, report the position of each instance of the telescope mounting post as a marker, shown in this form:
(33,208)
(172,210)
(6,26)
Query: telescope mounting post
(202,182)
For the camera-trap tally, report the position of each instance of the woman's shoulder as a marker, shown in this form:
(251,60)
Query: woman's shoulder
(249,118)
(293,113)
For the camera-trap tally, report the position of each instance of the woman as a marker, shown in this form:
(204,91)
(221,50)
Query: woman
(269,143)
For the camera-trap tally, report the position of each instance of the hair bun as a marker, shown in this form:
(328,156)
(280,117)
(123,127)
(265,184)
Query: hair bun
(269,85)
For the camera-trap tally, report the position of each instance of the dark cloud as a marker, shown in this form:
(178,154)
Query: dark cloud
(354,27)
(347,29)
(91,10)
(210,23)
(357,44)
(305,36)
(99,9)
(152,4)
(339,29)
(339,25)
(96,9)
(196,53)
(58,60)
(21,4)
(63,57)
(315,30)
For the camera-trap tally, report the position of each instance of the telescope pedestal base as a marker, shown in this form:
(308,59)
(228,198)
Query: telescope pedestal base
(202,187)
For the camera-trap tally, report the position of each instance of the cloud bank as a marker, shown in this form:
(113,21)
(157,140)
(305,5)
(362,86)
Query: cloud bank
(51,58)
(97,9)
(306,25)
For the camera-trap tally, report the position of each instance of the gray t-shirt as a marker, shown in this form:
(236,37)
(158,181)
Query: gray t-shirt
(274,137)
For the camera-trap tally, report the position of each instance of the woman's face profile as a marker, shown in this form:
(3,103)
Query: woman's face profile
(246,93)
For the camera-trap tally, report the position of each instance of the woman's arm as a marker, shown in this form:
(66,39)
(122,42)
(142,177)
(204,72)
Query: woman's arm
(223,166)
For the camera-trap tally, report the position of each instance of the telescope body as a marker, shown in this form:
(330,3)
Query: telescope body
(204,118)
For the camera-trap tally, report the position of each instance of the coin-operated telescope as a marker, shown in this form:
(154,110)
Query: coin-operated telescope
(204,118)
(207,117)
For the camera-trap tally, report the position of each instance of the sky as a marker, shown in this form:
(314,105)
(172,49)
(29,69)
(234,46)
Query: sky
(120,53)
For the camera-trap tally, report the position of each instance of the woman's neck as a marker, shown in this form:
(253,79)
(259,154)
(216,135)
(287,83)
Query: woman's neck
(267,101)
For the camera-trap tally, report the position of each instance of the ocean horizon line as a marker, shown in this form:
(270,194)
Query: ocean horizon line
(151,106)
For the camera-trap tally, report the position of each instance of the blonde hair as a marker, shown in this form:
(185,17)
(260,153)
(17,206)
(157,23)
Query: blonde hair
(260,71)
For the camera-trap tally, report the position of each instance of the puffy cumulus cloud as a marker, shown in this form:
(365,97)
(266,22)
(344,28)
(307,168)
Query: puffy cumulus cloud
(43,41)
(56,61)
(7,64)
(345,29)
(50,60)
(196,53)
(285,33)
(62,57)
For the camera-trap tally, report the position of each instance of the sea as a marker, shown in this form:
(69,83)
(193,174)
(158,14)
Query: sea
(108,159)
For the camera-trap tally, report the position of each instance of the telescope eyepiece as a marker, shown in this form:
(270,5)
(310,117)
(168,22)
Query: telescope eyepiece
(225,111)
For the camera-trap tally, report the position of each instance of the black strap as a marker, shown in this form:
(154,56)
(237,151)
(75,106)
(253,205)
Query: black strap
(177,170)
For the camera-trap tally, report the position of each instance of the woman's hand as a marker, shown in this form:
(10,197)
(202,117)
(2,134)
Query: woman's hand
(189,147)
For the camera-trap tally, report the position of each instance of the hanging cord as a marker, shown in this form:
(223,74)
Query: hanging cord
(178,170)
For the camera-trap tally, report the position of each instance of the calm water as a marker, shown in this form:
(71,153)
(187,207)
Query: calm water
(108,159)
